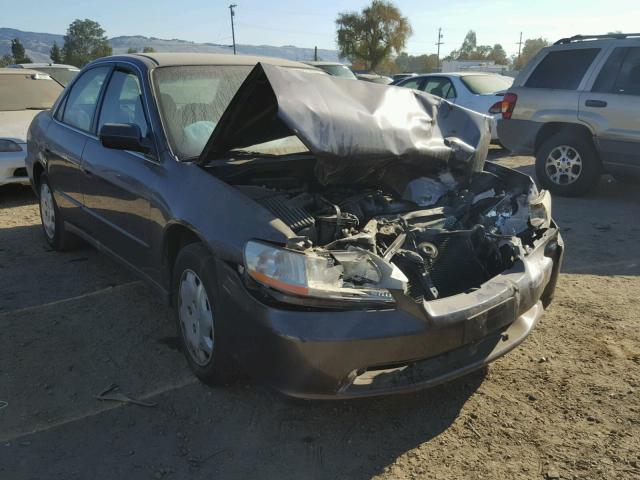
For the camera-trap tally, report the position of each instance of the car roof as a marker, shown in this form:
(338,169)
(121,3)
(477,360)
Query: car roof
(19,71)
(43,65)
(165,59)
(316,63)
(455,74)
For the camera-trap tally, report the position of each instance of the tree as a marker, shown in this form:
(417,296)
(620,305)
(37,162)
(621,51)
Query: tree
(469,46)
(372,35)
(55,54)
(417,64)
(531,47)
(18,53)
(132,50)
(6,60)
(148,50)
(85,41)
(498,55)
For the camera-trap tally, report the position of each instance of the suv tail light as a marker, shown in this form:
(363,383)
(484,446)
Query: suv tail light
(508,104)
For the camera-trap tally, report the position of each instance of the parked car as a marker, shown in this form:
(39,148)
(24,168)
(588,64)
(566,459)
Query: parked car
(477,91)
(575,107)
(326,247)
(334,68)
(22,94)
(398,77)
(63,74)
(374,78)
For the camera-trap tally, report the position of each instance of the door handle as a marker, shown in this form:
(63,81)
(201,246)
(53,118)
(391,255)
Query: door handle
(596,103)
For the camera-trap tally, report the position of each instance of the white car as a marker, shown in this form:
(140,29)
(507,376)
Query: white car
(23,93)
(60,72)
(476,91)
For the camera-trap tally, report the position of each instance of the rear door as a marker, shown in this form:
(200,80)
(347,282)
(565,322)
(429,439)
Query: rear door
(121,183)
(612,109)
(66,138)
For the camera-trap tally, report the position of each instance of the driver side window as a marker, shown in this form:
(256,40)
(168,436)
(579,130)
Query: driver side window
(123,102)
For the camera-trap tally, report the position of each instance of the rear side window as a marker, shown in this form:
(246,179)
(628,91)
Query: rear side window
(562,69)
(440,87)
(413,83)
(621,73)
(83,98)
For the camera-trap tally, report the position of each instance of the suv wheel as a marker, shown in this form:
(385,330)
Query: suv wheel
(52,221)
(201,332)
(567,165)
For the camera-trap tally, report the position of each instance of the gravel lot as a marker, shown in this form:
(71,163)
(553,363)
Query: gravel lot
(566,404)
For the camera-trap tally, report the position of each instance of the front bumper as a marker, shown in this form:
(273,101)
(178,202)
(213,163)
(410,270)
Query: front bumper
(12,167)
(346,354)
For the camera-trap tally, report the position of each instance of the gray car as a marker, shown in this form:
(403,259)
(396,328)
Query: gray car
(335,239)
(575,107)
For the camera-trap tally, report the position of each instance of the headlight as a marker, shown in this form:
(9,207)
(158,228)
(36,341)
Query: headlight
(9,146)
(353,275)
(540,210)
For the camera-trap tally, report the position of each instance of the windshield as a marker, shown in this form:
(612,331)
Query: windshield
(193,98)
(60,75)
(27,91)
(338,71)
(486,84)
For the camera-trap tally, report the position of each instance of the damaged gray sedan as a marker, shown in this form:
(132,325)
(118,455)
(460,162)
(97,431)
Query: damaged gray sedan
(334,239)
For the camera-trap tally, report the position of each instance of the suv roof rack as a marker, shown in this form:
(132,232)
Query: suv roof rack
(578,38)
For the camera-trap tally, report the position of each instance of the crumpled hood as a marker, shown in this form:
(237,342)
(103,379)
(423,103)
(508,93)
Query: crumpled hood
(352,128)
(14,124)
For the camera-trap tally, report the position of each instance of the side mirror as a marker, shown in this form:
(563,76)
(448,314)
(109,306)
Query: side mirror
(123,136)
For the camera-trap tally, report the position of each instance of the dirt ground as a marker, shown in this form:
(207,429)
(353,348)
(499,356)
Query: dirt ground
(566,404)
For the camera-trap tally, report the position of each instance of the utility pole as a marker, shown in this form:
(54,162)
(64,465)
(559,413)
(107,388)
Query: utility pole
(233,33)
(519,48)
(438,43)
(315,54)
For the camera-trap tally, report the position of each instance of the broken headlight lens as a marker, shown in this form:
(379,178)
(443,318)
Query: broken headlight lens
(321,275)
(540,210)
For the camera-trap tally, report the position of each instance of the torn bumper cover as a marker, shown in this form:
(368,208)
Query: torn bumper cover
(325,354)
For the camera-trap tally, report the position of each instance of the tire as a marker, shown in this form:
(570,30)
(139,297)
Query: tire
(195,298)
(568,165)
(52,221)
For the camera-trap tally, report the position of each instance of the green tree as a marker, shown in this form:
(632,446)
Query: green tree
(531,47)
(18,53)
(85,41)
(148,50)
(371,36)
(498,55)
(417,64)
(55,54)
(132,50)
(469,46)
(6,60)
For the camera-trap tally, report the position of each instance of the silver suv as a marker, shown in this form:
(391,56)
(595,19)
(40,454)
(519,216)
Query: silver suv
(576,107)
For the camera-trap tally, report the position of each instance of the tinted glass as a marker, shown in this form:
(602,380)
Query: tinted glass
(191,101)
(609,73)
(61,75)
(123,102)
(413,83)
(440,87)
(27,91)
(562,69)
(486,84)
(628,81)
(81,103)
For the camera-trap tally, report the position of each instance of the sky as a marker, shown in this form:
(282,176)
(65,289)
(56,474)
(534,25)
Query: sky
(307,23)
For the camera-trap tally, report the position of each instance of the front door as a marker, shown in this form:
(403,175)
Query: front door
(121,183)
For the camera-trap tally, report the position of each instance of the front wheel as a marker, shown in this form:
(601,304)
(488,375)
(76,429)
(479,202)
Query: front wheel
(201,331)
(567,165)
(52,222)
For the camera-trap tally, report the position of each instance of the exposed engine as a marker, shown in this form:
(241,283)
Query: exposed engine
(446,235)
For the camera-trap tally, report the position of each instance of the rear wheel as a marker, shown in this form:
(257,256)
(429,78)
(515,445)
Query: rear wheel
(567,165)
(52,222)
(202,334)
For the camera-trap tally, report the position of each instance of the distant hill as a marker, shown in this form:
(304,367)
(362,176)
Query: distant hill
(37,46)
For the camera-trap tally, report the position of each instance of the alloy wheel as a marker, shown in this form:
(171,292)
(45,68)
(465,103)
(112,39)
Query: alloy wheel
(563,165)
(47,211)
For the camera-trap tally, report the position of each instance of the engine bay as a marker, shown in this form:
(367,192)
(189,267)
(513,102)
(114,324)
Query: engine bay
(446,234)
